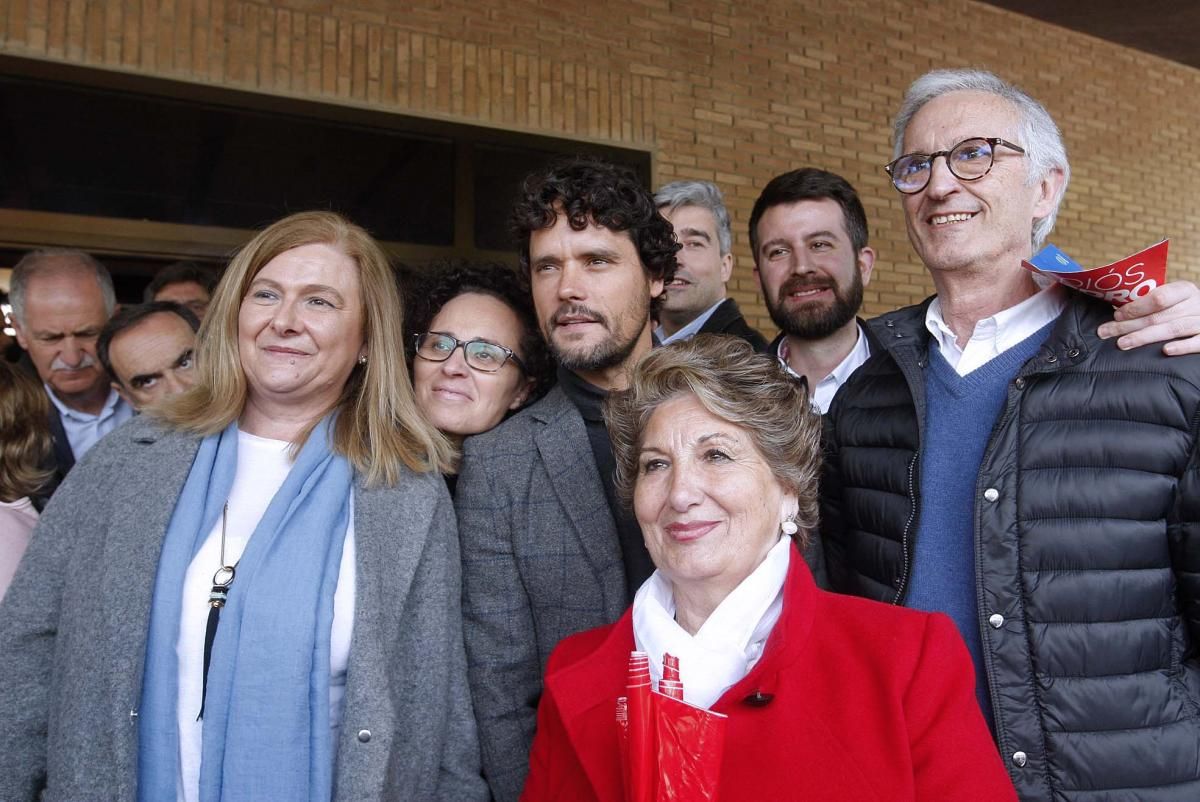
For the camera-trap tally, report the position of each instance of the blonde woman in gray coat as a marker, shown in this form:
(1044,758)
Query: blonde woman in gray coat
(253,591)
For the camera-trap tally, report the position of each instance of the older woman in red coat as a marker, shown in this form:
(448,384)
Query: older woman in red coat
(828,697)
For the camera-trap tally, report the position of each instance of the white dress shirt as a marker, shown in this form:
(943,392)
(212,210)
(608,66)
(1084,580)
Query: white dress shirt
(996,334)
(691,329)
(84,430)
(822,394)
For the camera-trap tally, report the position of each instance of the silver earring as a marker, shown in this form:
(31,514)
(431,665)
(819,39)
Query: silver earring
(790,527)
(362,359)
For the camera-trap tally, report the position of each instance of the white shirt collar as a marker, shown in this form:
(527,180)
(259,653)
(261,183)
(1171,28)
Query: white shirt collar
(110,404)
(691,329)
(728,644)
(996,334)
(822,394)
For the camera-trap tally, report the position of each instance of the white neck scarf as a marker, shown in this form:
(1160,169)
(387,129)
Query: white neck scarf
(728,644)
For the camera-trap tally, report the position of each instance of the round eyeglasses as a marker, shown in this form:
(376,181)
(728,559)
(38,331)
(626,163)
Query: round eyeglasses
(969,160)
(480,355)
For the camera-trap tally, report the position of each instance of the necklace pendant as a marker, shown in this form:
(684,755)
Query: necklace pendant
(218,596)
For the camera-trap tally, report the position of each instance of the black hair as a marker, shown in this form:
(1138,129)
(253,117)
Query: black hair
(129,316)
(810,183)
(180,273)
(588,190)
(425,292)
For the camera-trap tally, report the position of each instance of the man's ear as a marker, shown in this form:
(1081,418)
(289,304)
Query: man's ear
(1049,189)
(726,268)
(656,287)
(120,388)
(866,263)
(21,340)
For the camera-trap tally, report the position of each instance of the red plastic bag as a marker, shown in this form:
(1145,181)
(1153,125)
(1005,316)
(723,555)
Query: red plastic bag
(671,750)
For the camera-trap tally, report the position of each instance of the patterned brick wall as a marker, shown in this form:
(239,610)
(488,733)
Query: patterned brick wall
(734,92)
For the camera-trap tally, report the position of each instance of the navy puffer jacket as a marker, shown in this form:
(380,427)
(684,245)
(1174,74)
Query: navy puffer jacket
(1087,544)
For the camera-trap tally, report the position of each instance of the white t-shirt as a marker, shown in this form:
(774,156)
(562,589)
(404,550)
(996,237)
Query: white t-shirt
(262,467)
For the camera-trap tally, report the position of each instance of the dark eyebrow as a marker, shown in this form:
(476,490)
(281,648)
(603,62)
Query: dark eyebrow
(601,253)
(694,232)
(142,378)
(823,234)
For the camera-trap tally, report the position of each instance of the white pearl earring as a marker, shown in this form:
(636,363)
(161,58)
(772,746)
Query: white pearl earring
(789,527)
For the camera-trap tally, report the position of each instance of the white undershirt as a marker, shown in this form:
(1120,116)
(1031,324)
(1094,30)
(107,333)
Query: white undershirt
(996,334)
(262,466)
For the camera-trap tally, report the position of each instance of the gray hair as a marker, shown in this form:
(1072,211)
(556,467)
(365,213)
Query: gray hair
(51,261)
(1038,133)
(733,382)
(704,194)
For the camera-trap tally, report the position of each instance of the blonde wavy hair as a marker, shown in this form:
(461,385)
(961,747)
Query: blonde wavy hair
(25,441)
(379,428)
(735,383)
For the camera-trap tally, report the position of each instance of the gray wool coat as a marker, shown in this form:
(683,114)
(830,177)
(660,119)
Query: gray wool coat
(74,623)
(541,561)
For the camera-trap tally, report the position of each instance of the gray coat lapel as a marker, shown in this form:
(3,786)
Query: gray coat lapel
(141,505)
(566,452)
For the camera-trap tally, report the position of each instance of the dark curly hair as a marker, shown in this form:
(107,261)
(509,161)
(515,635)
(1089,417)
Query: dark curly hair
(427,290)
(590,190)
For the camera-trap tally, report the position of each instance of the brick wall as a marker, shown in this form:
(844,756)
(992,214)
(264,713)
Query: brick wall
(732,92)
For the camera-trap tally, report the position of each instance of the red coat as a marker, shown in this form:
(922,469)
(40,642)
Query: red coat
(870,702)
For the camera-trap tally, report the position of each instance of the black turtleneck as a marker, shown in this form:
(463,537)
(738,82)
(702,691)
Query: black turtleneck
(588,399)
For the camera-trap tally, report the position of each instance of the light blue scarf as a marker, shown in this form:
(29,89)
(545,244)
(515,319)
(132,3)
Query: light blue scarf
(266,713)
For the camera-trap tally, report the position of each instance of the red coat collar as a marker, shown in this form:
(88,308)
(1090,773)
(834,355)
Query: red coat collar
(586,689)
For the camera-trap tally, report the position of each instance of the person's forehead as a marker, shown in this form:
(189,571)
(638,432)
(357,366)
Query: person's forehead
(948,119)
(181,289)
(802,218)
(690,216)
(162,331)
(64,299)
(593,235)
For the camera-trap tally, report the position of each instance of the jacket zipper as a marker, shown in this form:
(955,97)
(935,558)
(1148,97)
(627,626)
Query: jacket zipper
(912,517)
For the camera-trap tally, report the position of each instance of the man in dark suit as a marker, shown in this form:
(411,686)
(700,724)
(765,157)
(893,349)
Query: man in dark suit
(808,234)
(695,301)
(547,549)
(60,301)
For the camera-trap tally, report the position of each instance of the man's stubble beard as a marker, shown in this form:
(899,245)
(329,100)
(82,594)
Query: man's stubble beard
(608,353)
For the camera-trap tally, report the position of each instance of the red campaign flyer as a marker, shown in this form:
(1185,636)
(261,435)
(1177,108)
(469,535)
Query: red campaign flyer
(1118,283)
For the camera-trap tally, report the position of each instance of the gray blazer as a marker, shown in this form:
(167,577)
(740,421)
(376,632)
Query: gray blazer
(73,634)
(540,561)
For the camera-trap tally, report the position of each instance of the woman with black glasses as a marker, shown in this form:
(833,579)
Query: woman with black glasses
(477,353)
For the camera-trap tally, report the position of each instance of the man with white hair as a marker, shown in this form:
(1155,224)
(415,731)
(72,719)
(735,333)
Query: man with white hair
(695,301)
(996,460)
(61,300)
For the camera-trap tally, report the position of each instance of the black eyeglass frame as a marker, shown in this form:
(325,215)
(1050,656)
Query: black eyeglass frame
(991,140)
(508,352)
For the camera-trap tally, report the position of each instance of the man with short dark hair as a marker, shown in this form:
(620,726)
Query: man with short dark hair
(185,283)
(808,234)
(694,302)
(996,460)
(149,351)
(61,300)
(548,550)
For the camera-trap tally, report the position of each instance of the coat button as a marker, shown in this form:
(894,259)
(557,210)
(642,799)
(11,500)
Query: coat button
(1019,384)
(1074,352)
(1019,759)
(991,494)
(1052,359)
(364,735)
(996,620)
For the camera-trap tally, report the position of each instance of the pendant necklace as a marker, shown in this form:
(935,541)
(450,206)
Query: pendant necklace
(217,597)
